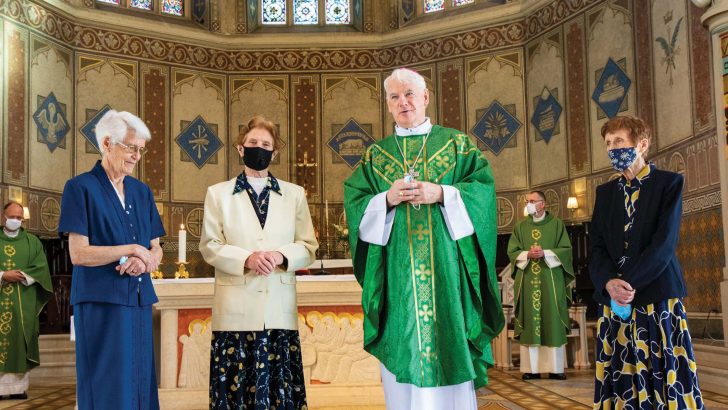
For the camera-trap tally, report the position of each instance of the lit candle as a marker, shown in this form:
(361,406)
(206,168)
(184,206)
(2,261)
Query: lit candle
(182,257)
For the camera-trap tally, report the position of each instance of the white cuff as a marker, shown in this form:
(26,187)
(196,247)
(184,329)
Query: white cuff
(458,222)
(376,225)
(551,259)
(522,260)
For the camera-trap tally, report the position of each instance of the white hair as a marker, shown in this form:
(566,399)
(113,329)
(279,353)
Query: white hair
(405,76)
(116,125)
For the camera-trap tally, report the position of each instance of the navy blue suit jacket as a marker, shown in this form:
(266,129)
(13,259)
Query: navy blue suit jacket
(90,207)
(652,268)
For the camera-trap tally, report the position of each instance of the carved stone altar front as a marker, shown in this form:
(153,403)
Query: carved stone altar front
(337,369)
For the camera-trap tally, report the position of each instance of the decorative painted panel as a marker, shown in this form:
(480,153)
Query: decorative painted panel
(701,73)
(643,50)
(576,99)
(499,77)
(451,88)
(199,126)
(155,97)
(306,161)
(671,59)
(15,167)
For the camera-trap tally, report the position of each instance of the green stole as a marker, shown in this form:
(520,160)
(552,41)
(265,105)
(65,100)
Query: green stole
(431,305)
(540,292)
(20,305)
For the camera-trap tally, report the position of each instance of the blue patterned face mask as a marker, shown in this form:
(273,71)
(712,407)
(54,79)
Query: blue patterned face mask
(622,158)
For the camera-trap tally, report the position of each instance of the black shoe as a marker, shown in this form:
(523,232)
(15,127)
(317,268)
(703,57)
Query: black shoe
(19,396)
(557,376)
(530,376)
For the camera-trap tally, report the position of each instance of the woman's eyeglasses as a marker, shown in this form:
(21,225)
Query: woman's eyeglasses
(131,149)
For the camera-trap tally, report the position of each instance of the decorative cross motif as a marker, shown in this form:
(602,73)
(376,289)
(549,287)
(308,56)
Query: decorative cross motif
(4,344)
(306,164)
(8,264)
(420,232)
(6,304)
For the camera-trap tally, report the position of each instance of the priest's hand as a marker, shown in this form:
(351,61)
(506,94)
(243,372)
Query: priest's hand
(401,191)
(132,267)
(13,276)
(535,252)
(427,193)
(263,263)
(620,291)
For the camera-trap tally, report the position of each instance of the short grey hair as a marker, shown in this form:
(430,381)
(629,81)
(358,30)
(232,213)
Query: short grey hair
(116,125)
(405,76)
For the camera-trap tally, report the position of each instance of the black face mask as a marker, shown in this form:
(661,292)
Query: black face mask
(257,158)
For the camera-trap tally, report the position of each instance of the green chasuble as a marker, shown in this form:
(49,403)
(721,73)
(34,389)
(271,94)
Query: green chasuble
(20,305)
(431,305)
(540,292)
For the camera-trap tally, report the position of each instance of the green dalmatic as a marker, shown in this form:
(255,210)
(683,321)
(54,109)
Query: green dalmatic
(431,304)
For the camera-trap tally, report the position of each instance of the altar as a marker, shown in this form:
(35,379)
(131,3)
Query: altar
(338,371)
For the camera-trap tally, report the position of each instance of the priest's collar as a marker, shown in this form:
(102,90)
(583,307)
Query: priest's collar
(539,219)
(421,129)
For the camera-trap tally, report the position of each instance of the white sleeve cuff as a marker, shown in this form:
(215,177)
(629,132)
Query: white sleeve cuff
(376,225)
(522,260)
(551,259)
(458,222)
(28,280)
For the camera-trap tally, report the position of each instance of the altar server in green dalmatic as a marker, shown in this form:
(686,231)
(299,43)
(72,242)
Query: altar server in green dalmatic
(25,287)
(422,226)
(540,251)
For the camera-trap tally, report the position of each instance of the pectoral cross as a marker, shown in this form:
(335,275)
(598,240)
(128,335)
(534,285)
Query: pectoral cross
(412,175)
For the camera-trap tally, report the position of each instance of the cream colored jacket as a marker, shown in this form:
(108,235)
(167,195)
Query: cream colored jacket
(231,233)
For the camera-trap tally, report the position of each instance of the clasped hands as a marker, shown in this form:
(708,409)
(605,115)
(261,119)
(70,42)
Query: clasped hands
(535,252)
(264,262)
(414,192)
(140,261)
(620,291)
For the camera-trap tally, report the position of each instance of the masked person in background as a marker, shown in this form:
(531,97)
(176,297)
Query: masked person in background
(540,252)
(26,287)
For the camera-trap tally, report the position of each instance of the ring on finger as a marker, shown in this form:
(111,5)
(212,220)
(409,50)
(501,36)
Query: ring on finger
(401,193)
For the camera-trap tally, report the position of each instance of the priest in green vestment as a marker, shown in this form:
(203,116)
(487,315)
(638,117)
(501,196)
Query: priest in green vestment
(25,287)
(422,227)
(540,251)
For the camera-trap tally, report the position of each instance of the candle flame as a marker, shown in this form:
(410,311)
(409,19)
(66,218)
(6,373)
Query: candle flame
(182,227)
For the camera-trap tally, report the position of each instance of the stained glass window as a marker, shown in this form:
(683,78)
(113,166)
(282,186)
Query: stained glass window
(173,7)
(274,11)
(141,4)
(462,2)
(305,12)
(337,11)
(434,5)
(109,1)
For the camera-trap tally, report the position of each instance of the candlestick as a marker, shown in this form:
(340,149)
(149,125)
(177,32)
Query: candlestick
(182,257)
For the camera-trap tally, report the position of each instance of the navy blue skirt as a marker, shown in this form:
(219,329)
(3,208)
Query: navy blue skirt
(114,357)
(257,370)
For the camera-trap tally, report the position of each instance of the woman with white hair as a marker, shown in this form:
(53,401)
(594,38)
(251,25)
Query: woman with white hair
(113,232)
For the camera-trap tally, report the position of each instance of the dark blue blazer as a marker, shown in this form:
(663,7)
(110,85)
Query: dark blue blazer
(652,268)
(90,207)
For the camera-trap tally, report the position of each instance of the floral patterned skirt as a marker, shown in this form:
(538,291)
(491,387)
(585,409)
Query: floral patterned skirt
(257,370)
(647,361)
